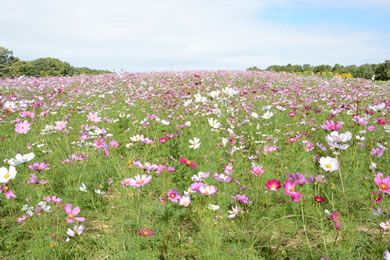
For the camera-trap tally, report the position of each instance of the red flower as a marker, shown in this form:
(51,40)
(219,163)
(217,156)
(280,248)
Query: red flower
(188,162)
(146,232)
(163,140)
(319,199)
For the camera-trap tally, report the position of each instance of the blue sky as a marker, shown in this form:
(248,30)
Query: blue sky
(155,35)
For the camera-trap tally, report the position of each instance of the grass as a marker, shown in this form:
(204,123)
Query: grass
(273,226)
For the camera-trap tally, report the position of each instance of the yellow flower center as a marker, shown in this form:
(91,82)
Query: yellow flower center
(172,195)
(76,232)
(22,127)
(273,186)
(292,189)
(383,186)
(188,162)
(185,203)
(70,215)
(145,233)
(206,191)
(6,176)
(388,225)
(328,166)
(5,188)
(140,182)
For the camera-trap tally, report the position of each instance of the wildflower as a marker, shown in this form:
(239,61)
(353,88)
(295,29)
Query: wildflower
(299,177)
(77,230)
(222,177)
(257,170)
(360,121)
(83,188)
(242,199)
(72,213)
(24,158)
(138,181)
(214,123)
(8,194)
(336,220)
(22,127)
(319,199)
(334,139)
(94,117)
(267,115)
(38,166)
(213,207)
(377,197)
(194,143)
(114,143)
(383,182)
(99,192)
(208,190)
(188,162)
(7,174)
(53,199)
(385,225)
(289,188)
(273,185)
(173,195)
(60,125)
(146,232)
(386,255)
(34,179)
(329,164)
(163,140)
(234,212)
(185,201)
(331,126)
(201,176)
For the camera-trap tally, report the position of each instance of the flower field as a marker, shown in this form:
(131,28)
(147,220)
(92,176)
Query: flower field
(194,165)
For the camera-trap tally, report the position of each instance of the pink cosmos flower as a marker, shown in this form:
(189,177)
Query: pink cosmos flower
(53,199)
(242,199)
(146,232)
(185,201)
(208,190)
(138,181)
(196,186)
(72,213)
(173,195)
(22,127)
(114,143)
(38,166)
(289,188)
(222,177)
(94,117)
(331,126)
(99,143)
(336,220)
(273,185)
(383,182)
(163,140)
(188,162)
(234,212)
(377,197)
(77,230)
(257,170)
(8,194)
(27,114)
(60,125)
(360,121)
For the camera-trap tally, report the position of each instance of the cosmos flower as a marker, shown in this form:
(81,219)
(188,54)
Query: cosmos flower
(7,174)
(60,125)
(195,143)
(173,195)
(273,185)
(329,164)
(289,188)
(71,213)
(188,162)
(138,181)
(22,127)
(331,126)
(383,182)
(146,232)
(77,230)
(7,192)
(94,117)
(185,201)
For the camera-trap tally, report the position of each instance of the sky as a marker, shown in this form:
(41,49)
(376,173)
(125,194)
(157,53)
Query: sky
(166,35)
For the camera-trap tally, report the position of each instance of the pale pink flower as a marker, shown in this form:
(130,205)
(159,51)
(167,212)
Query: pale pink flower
(22,127)
(72,213)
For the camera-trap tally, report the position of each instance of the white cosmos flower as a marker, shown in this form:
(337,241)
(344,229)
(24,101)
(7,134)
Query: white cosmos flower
(254,115)
(229,91)
(214,123)
(83,188)
(213,207)
(99,192)
(24,158)
(195,143)
(329,164)
(334,139)
(267,115)
(6,175)
(214,93)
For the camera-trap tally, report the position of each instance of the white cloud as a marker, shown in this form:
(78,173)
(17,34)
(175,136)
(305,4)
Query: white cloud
(173,34)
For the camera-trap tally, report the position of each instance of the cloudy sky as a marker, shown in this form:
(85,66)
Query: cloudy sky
(160,35)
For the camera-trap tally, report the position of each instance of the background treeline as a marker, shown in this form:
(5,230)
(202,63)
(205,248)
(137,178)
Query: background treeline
(381,71)
(11,66)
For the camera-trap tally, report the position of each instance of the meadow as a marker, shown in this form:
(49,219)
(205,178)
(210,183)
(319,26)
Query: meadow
(194,165)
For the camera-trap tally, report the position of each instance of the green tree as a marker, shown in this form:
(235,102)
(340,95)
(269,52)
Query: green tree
(382,72)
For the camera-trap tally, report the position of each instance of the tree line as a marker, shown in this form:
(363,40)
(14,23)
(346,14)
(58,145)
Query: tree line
(11,66)
(381,71)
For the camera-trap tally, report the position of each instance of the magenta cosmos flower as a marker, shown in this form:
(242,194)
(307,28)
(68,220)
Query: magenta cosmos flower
(173,195)
(138,181)
(8,194)
(38,166)
(188,162)
(383,183)
(273,185)
(72,213)
(94,117)
(146,232)
(289,188)
(331,126)
(22,127)
(257,170)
